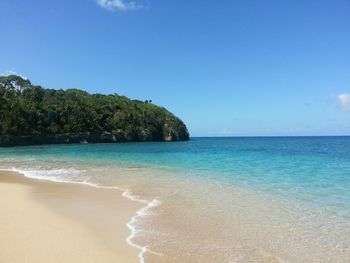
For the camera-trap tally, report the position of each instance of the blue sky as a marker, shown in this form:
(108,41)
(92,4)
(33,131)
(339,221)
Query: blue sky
(227,68)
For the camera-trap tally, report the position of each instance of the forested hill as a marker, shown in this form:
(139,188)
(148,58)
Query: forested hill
(31,114)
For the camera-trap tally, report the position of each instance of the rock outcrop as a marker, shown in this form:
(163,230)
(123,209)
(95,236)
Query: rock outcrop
(31,115)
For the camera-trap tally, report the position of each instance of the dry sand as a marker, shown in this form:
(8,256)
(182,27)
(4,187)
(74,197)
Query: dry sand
(56,222)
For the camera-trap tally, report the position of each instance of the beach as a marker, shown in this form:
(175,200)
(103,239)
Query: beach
(57,222)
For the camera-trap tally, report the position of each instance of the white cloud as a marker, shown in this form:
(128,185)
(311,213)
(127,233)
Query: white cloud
(119,4)
(344,101)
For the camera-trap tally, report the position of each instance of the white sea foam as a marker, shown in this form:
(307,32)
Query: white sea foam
(54,175)
(132,223)
(67,175)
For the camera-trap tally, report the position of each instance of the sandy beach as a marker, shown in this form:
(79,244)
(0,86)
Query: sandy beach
(56,222)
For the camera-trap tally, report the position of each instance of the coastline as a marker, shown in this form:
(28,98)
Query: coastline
(60,222)
(221,200)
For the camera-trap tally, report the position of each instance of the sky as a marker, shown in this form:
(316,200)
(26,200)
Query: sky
(225,67)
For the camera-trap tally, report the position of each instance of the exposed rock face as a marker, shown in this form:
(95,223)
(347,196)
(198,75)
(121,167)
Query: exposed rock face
(175,133)
(105,137)
(82,138)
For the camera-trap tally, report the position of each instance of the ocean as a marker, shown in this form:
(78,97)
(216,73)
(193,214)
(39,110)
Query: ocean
(248,199)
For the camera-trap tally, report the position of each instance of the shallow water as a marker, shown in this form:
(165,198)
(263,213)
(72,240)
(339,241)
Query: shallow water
(281,199)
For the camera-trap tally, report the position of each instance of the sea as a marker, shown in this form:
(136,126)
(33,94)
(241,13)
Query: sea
(216,200)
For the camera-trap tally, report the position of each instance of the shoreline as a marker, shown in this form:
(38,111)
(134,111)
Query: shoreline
(221,201)
(78,223)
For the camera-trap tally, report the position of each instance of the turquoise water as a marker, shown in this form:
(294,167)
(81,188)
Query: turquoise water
(308,173)
(314,169)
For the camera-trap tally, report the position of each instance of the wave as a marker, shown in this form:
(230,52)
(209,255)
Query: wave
(133,222)
(55,175)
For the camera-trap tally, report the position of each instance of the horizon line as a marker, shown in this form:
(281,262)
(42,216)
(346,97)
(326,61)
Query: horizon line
(264,136)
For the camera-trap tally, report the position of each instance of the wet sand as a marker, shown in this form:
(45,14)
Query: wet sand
(57,222)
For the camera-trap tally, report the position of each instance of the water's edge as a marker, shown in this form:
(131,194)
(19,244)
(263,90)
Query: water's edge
(126,193)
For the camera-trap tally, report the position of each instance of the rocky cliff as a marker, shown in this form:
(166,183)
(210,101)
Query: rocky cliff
(32,115)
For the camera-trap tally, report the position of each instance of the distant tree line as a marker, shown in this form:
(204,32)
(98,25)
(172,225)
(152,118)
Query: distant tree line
(26,109)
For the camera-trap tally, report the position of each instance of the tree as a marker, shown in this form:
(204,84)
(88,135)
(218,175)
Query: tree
(26,109)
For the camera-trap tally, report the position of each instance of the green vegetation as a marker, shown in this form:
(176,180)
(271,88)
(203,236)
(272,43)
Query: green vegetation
(29,111)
